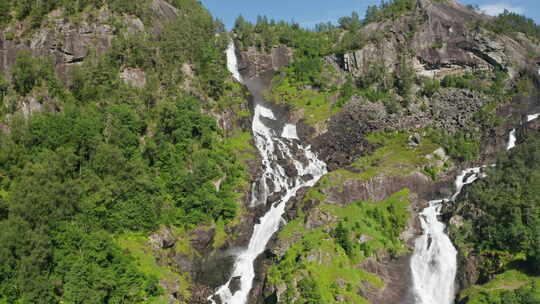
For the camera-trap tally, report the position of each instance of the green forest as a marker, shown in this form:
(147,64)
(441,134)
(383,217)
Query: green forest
(506,236)
(108,158)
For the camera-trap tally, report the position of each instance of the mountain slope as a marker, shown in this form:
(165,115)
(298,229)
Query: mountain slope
(124,164)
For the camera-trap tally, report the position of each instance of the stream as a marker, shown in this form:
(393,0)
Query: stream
(273,144)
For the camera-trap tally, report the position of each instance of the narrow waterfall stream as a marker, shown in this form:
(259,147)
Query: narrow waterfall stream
(272,146)
(511,140)
(434,261)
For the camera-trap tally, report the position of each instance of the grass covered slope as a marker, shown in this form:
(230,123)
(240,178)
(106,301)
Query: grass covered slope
(323,265)
(512,287)
(101,164)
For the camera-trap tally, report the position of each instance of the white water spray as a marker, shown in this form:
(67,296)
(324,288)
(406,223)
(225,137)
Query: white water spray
(289,131)
(511,140)
(434,261)
(532,117)
(270,145)
(232,62)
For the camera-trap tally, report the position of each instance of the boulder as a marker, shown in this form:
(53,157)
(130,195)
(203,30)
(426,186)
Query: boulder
(235,284)
(134,77)
(163,239)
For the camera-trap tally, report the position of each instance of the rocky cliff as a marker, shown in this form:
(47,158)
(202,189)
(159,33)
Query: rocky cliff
(444,38)
(68,42)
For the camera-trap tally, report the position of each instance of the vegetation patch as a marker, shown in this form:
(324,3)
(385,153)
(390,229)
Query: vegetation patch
(332,253)
(83,184)
(315,105)
(512,287)
(505,238)
(137,246)
(393,157)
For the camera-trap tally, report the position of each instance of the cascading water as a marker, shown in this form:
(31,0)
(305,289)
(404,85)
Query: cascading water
(232,62)
(532,116)
(270,146)
(434,261)
(511,140)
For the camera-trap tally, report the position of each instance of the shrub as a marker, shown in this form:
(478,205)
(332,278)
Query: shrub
(509,22)
(25,73)
(430,87)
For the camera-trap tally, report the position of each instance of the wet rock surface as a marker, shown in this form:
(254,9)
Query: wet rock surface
(235,284)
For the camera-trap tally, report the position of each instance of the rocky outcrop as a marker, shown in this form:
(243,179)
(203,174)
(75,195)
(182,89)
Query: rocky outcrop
(442,36)
(254,63)
(376,189)
(164,12)
(68,42)
(448,109)
(345,139)
(454,109)
(395,272)
(134,77)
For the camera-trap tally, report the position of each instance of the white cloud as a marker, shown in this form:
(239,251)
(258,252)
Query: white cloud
(498,8)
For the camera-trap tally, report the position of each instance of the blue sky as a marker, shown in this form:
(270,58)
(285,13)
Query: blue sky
(311,12)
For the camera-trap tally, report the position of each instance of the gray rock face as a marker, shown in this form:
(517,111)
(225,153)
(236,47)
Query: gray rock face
(345,138)
(377,188)
(318,218)
(164,12)
(134,77)
(69,42)
(163,239)
(414,140)
(254,63)
(449,109)
(441,36)
(453,109)
(66,42)
(214,271)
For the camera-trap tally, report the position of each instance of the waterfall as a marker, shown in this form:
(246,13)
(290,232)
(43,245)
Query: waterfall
(434,261)
(511,140)
(532,116)
(433,264)
(270,145)
(232,62)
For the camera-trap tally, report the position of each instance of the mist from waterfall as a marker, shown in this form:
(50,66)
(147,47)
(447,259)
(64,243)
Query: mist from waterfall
(272,146)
